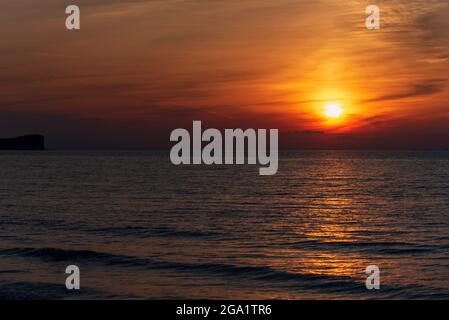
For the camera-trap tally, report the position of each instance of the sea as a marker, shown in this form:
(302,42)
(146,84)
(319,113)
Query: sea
(138,227)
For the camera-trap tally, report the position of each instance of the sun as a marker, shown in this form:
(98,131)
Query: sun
(333,110)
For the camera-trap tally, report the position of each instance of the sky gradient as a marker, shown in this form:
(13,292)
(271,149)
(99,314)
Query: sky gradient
(139,69)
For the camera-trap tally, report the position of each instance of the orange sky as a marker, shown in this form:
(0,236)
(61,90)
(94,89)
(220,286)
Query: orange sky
(138,69)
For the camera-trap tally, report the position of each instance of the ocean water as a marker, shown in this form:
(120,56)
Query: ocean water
(140,228)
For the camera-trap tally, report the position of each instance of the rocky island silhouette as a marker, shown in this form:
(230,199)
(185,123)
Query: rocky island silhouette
(29,142)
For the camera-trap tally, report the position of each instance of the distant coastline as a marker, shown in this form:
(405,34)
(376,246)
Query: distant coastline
(29,142)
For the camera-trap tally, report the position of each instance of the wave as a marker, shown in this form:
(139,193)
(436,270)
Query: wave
(23,290)
(10,271)
(267,275)
(395,248)
(56,254)
(159,231)
(261,273)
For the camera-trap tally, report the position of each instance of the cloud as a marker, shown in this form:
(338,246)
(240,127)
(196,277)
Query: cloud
(306,132)
(428,87)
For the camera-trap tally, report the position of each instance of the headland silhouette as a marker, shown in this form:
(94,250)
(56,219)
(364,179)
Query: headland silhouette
(29,142)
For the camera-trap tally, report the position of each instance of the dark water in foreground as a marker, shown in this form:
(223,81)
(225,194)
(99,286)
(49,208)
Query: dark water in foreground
(140,228)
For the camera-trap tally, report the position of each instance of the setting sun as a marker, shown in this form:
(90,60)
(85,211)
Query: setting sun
(333,110)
